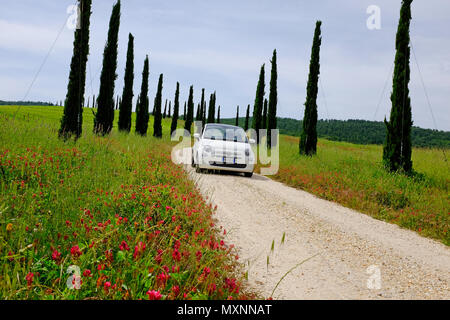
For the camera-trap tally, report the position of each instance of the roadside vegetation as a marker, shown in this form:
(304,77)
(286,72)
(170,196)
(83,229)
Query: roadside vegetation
(117,208)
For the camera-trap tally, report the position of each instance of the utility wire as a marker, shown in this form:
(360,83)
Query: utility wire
(384,90)
(426,94)
(324,98)
(42,65)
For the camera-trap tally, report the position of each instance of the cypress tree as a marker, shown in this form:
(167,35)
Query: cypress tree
(165,110)
(170,109)
(397,148)
(247,118)
(204,115)
(157,126)
(308,138)
(273,101)
(176,109)
(190,110)
(142,114)
(264,116)
(126,105)
(259,101)
(104,117)
(93,102)
(202,105)
(212,108)
(218,115)
(137,102)
(72,120)
(184,115)
(237,116)
(197,115)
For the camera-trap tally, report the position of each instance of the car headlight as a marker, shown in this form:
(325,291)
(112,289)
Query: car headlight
(207,150)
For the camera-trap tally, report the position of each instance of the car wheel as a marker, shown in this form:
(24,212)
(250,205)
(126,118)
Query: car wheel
(248,174)
(197,169)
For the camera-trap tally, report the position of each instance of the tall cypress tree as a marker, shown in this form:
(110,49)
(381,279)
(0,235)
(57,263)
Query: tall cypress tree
(197,114)
(190,110)
(137,102)
(142,114)
(308,138)
(126,105)
(273,101)
(204,115)
(237,117)
(264,116)
(72,120)
(202,105)
(104,117)
(218,115)
(397,148)
(184,115)
(176,109)
(259,101)
(157,126)
(170,109)
(212,109)
(247,118)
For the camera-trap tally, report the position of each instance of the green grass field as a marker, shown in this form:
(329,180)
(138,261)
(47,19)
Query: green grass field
(117,208)
(136,226)
(353,176)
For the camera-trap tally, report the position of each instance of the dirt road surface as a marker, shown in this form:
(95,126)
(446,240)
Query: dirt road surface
(352,256)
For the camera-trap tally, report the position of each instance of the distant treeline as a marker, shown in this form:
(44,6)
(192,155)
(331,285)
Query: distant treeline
(25,103)
(359,132)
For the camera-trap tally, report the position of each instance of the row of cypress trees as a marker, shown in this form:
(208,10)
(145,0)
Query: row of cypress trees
(396,151)
(264,110)
(71,122)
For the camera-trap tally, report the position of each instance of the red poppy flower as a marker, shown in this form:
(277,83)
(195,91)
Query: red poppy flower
(154,295)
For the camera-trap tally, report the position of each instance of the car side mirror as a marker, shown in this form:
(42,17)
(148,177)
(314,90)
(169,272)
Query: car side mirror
(197,136)
(252,141)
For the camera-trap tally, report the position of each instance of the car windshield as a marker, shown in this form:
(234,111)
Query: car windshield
(225,133)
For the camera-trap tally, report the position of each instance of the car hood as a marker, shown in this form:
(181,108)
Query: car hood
(226,145)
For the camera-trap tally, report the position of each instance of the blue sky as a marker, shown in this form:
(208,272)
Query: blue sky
(221,45)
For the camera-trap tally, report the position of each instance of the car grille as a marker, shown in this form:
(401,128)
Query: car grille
(228,154)
(228,165)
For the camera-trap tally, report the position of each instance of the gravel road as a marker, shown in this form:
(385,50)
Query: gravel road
(353,256)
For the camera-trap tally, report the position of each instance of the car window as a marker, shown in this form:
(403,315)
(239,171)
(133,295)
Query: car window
(224,133)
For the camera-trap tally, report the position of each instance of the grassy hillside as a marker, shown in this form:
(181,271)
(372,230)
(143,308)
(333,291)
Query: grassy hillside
(353,175)
(116,207)
(359,132)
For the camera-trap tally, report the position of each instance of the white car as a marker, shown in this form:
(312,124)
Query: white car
(223,147)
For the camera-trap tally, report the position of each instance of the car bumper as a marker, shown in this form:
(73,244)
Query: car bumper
(215,163)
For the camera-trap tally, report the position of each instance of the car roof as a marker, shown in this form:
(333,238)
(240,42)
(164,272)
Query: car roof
(222,125)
